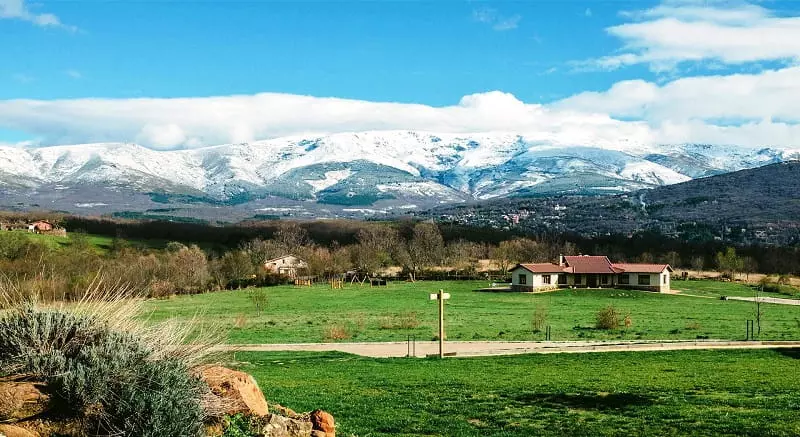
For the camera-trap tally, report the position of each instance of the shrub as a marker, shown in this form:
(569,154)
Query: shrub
(608,318)
(102,367)
(237,426)
(539,319)
(336,332)
(259,299)
(628,322)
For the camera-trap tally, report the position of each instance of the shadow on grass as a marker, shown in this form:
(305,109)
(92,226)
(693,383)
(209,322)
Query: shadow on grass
(585,401)
(789,352)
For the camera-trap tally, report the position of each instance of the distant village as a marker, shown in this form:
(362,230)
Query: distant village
(37,227)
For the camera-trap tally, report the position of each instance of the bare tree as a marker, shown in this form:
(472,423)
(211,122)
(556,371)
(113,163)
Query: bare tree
(426,247)
(374,248)
(290,237)
(698,263)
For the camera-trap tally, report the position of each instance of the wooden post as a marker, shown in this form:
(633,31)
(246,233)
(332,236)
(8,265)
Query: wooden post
(441,296)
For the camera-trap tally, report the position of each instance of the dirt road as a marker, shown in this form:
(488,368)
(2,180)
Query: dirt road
(775,300)
(489,348)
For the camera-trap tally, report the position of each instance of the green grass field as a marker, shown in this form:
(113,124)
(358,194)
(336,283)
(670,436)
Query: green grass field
(101,243)
(734,393)
(719,288)
(303,314)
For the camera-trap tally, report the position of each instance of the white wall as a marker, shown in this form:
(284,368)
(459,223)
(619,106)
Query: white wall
(534,280)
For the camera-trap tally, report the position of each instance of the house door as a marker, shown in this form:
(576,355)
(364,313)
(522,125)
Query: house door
(591,281)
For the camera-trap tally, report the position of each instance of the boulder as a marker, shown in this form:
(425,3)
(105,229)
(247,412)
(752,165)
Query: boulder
(323,421)
(21,400)
(238,390)
(274,425)
(15,431)
(284,411)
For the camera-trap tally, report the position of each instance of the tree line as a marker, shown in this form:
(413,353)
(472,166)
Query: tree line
(236,257)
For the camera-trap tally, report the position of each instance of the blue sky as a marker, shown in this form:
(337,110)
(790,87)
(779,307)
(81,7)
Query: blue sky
(406,51)
(620,59)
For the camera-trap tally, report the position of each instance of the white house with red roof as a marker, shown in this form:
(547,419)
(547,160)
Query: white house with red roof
(586,271)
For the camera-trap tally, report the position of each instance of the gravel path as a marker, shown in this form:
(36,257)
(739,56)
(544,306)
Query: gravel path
(489,348)
(776,300)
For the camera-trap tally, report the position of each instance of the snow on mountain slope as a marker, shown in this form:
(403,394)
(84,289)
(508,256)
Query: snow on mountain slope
(367,166)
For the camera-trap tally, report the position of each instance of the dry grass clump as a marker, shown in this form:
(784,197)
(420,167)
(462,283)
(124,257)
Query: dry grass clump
(406,320)
(111,371)
(694,326)
(336,332)
(240,321)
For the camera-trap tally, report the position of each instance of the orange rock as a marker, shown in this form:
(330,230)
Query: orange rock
(238,390)
(21,400)
(323,421)
(15,431)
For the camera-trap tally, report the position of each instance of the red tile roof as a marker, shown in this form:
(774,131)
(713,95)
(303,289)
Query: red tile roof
(588,264)
(642,268)
(541,268)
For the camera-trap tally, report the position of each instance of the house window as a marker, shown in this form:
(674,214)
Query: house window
(523,279)
(624,279)
(578,279)
(665,280)
(546,279)
(644,279)
(604,279)
(562,279)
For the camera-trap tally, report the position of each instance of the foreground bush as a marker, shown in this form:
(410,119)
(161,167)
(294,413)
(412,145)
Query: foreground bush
(608,318)
(104,371)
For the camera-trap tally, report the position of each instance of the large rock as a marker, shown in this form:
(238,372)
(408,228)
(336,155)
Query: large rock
(21,400)
(15,431)
(274,425)
(238,390)
(323,422)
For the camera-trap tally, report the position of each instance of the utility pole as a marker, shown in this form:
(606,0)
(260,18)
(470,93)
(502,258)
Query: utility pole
(441,296)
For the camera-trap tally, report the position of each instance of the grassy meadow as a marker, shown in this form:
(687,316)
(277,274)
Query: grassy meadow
(102,244)
(734,393)
(289,314)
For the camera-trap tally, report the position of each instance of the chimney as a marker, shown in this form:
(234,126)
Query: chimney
(561,260)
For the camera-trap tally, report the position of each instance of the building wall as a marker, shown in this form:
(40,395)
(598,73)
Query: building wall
(532,280)
(659,282)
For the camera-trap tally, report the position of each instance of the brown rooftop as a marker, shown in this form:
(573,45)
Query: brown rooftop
(588,264)
(541,268)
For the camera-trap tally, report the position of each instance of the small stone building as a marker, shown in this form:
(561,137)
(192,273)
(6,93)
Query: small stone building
(287,265)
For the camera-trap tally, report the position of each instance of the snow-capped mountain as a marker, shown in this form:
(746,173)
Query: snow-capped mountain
(369,167)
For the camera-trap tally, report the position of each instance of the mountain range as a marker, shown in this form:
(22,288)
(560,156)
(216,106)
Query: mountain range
(351,173)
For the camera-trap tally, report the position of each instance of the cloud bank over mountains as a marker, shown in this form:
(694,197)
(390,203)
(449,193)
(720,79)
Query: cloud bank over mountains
(757,108)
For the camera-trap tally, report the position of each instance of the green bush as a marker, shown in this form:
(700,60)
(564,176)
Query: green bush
(608,318)
(87,365)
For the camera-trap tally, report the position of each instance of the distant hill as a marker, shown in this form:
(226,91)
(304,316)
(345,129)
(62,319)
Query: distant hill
(760,205)
(358,174)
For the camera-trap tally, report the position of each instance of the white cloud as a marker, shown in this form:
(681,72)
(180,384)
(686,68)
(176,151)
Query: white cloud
(756,110)
(194,122)
(732,99)
(75,74)
(17,9)
(493,18)
(689,31)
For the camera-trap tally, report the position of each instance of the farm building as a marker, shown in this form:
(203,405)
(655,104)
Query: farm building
(45,227)
(40,226)
(288,265)
(590,272)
